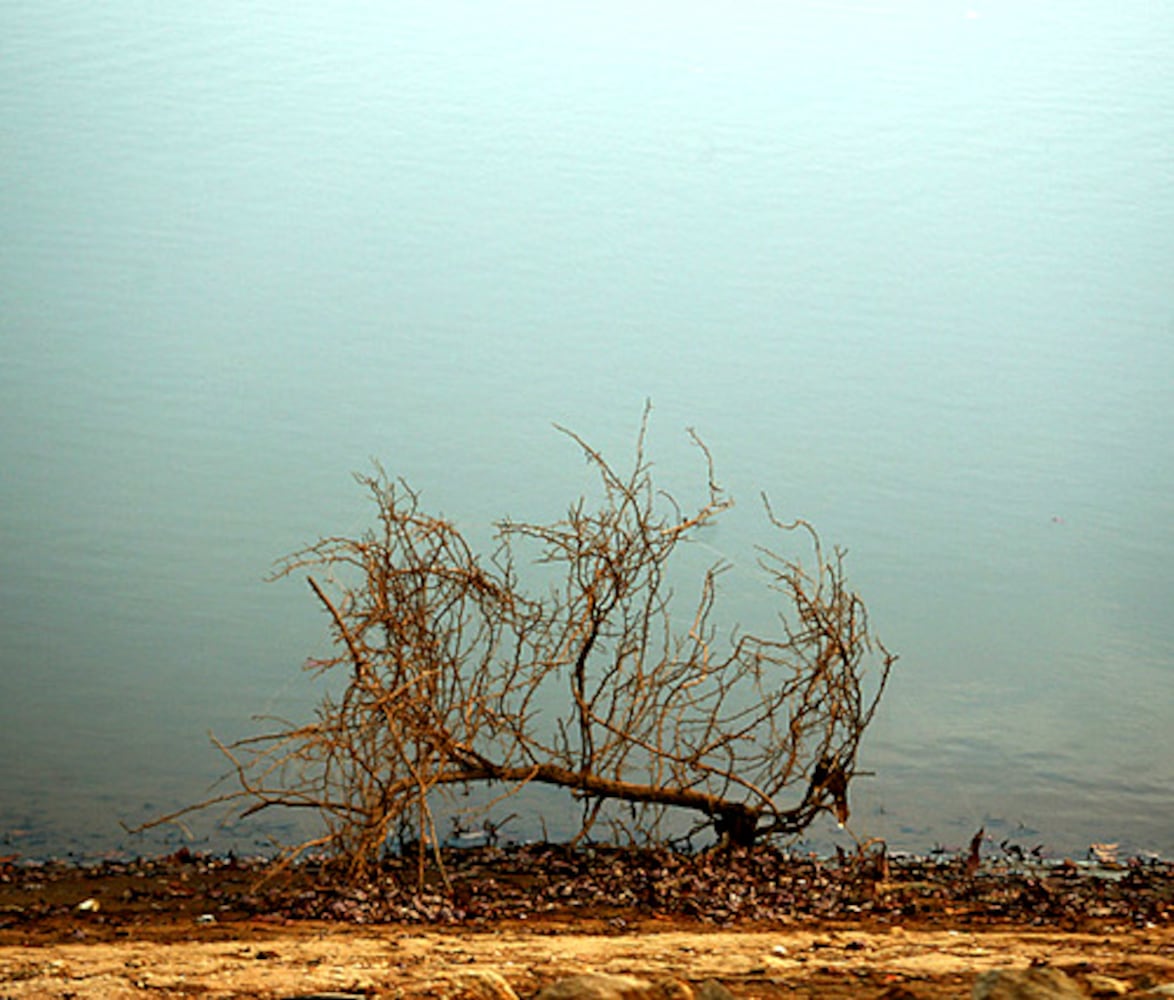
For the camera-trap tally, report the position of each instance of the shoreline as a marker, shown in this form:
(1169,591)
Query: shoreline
(836,962)
(758,922)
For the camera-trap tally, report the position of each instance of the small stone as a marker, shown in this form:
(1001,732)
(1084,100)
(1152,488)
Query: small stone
(899,993)
(1105,854)
(1106,986)
(711,989)
(1165,990)
(600,986)
(89,906)
(484,984)
(328,996)
(1036,983)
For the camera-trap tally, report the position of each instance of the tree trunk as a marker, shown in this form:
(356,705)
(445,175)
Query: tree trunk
(737,826)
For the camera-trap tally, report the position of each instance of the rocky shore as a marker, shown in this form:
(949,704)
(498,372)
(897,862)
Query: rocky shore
(596,924)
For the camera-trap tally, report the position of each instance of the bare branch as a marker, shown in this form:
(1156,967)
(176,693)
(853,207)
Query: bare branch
(457,671)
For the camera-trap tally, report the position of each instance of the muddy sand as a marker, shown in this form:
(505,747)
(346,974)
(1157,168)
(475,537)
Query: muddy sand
(761,923)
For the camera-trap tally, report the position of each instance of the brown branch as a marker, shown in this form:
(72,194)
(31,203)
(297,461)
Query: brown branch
(455,666)
(352,645)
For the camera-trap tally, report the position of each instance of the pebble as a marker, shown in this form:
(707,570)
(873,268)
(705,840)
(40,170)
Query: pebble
(602,986)
(327,996)
(1105,986)
(711,989)
(1036,983)
(484,984)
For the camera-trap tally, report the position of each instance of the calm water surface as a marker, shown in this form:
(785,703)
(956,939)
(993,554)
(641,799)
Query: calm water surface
(905,264)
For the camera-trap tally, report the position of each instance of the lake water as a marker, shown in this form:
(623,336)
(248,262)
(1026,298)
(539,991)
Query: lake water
(908,266)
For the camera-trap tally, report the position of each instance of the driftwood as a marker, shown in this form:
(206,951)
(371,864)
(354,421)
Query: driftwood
(451,666)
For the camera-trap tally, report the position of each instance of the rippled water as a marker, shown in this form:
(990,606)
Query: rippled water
(906,265)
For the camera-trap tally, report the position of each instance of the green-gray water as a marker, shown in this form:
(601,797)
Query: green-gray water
(907,266)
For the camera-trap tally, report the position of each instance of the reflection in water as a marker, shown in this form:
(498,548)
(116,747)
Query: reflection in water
(908,273)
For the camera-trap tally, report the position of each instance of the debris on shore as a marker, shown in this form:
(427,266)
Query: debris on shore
(612,887)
